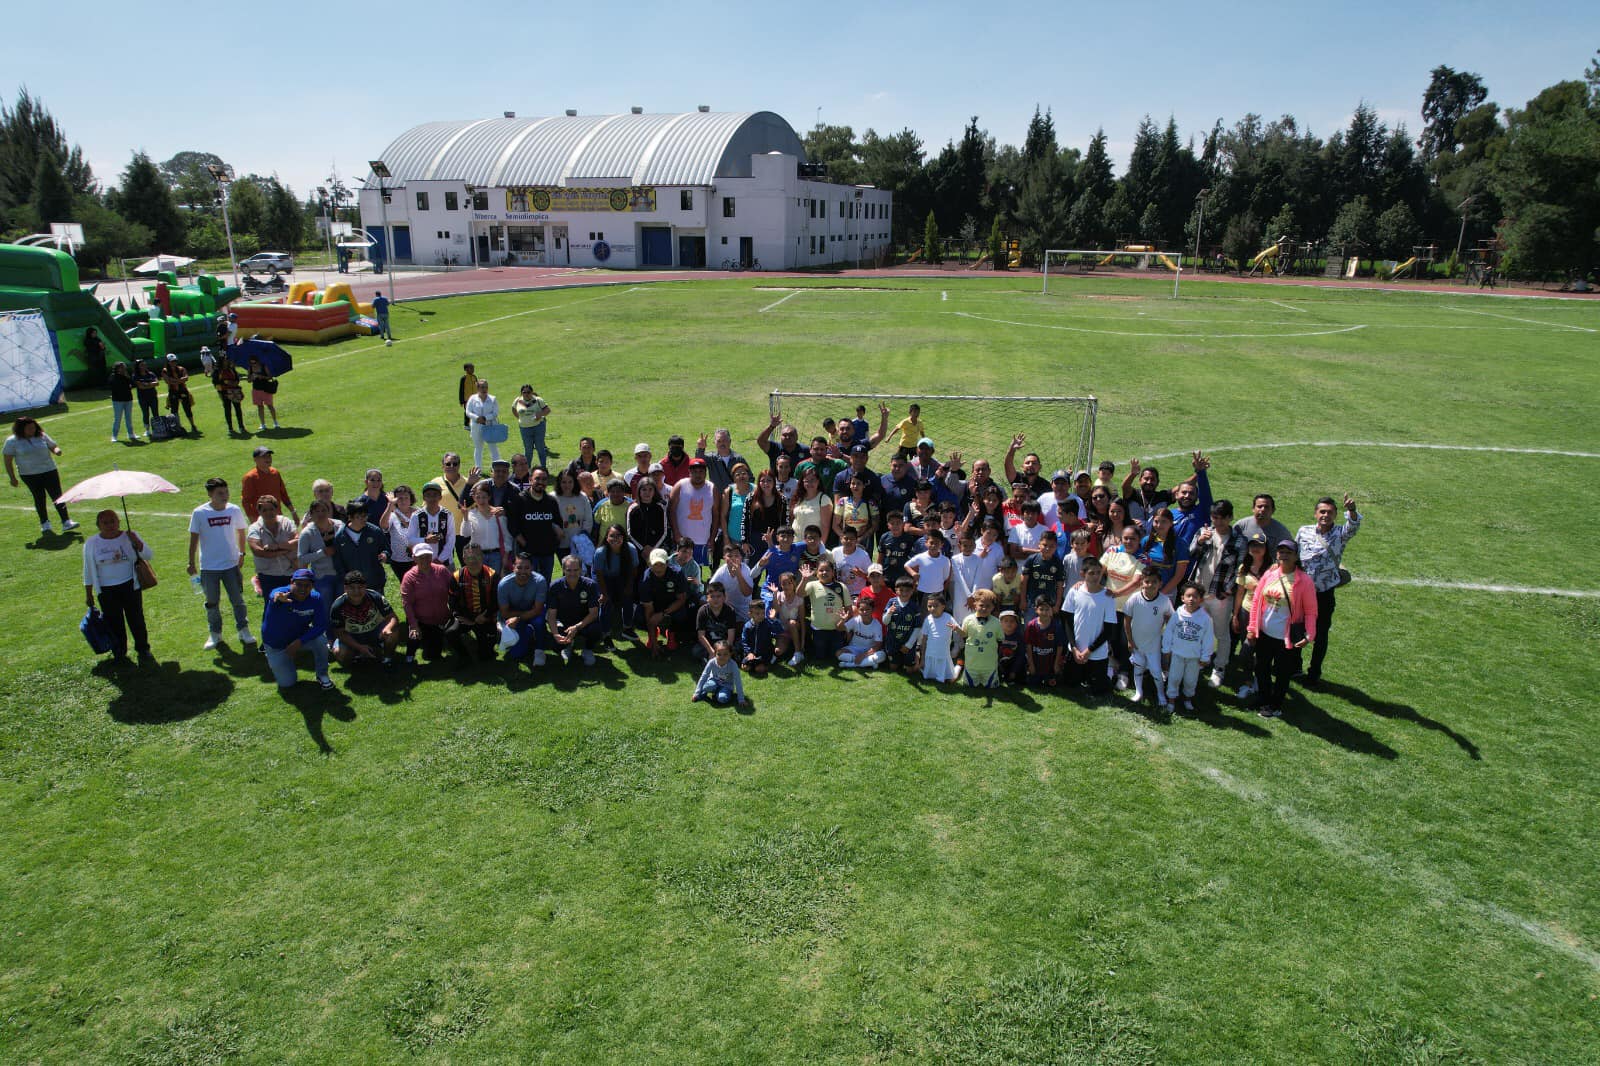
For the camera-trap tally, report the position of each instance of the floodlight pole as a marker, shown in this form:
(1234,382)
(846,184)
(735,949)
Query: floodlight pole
(1200,223)
(380,170)
(327,224)
(222,174)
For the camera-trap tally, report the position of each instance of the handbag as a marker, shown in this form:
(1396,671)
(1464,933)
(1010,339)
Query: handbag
(145,574)
(233,394)
(496,433)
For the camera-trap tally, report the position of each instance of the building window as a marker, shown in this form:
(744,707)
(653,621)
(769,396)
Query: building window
(727,207)
(686,200)
(724,240)
(597,236)
(422,201)
(480,201)
(450,202)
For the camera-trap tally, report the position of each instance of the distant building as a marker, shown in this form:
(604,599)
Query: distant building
(634,190)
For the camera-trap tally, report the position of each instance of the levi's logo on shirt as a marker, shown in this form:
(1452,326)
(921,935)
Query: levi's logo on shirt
(213,520)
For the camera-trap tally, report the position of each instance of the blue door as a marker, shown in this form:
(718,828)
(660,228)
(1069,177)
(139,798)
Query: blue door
(402,244)
(657,241)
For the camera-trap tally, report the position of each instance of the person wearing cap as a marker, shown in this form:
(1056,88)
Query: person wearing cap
(1322,547)
(425,594)
(261,480)
(641,465)
(1214,555)
(178,395)
(432,525)
(924,464)
(531,411)
(522,596)
(483,411)
(225,379)
(1283,620)
(664,598)
(364,626)
(296,620)
(675,464)
(1060,496)
(857,458)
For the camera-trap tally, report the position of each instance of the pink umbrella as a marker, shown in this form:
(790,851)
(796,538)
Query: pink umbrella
(118,483)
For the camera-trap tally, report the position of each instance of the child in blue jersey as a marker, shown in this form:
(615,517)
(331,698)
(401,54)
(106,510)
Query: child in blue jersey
(780,558)
(1043,574)
(902,622)
(896,547)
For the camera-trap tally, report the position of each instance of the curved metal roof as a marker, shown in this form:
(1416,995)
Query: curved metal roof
(671,149)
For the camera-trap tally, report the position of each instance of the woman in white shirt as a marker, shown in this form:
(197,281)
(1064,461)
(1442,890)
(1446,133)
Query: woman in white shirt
(483,411)
(397,523)
(486,528)
(110,569)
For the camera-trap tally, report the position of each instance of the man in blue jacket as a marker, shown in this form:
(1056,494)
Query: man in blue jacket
(296,620)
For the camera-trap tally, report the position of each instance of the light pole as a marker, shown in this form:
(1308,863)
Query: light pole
(1462,207)
(222,174)
(472,236)
(1200,200)
(327,223)
(380,170)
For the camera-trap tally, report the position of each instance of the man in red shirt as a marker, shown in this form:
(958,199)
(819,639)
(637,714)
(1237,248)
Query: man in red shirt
(425,591)
(264,480)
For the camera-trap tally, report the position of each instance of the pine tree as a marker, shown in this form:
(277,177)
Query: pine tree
(930,240)
(145,199)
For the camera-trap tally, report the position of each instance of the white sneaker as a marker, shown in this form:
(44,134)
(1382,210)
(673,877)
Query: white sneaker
(1137,684)
(796,659)
(1122,682)
(1215,679)
(211,642)
(46,527)
(68,526)
(114,440)
(262,428)
(1246,690)
(538,658)
(246,637)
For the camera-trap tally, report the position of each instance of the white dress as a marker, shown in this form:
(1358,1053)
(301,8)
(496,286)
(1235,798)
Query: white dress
(937,662)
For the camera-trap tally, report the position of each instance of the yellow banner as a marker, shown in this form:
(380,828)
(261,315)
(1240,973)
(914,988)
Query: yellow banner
(559,198)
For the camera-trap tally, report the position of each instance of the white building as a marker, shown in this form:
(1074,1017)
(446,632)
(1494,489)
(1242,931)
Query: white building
(700,189)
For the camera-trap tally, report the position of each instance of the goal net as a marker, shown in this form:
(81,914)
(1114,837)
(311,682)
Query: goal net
(1060,429)
(1068,261)
(30,369)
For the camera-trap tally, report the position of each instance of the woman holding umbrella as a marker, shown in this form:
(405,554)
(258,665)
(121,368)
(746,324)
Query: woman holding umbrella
(263,393)
(111,569)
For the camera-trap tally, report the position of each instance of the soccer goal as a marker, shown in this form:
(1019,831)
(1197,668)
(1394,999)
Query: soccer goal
(1059,428)
(1089,260)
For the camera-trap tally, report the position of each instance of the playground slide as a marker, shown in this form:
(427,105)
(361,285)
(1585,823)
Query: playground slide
(1264,255)
(47,280)
(1167,259)
(1403,267)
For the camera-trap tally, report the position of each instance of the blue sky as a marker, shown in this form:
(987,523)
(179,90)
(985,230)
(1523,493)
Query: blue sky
(295,89)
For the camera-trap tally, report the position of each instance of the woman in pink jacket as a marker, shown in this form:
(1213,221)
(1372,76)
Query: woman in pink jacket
(1283,619)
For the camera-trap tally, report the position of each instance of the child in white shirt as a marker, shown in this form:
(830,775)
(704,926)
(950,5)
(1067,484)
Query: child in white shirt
(1190,640)
(865,649)
(934,658)
(1146,617)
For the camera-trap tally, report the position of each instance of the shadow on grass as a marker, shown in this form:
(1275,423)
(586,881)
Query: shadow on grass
(1307,717)
(1006,695)
(1211,713)
(163,693)
(57,541)
(314,704)
(1398,711)
(284,433)
(370,680)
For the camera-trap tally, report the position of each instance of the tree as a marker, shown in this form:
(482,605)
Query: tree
(282,228)
(52,196)
(895,162)
(27,132)
(247,206)
(1094,175)
(1353,227)
(107,234)
(1396,232)
(1283,224)
(996,245)
(1546,180)
(1242,239)
(1449,96)
(144,198)
(930,240)
(836,146)
(1118,219)
(190,181)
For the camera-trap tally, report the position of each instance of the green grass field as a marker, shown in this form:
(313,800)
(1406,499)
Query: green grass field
(590,869)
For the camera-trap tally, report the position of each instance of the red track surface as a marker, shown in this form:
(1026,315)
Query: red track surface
(500,279)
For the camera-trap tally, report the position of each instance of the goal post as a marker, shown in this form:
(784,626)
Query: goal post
(1087,260)
(1060,429)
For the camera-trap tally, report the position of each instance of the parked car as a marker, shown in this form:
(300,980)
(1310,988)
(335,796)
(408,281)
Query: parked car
(268,262)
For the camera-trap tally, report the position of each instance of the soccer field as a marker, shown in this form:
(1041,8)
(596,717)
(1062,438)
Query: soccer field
(587,868)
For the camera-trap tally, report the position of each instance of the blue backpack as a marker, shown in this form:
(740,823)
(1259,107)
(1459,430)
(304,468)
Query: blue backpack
(95,631)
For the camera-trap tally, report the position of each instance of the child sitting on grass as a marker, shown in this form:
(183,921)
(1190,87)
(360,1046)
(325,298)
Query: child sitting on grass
(865,649)
(720,682)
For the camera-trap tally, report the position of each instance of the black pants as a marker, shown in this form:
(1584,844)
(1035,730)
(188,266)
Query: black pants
(123,608)
(230,409)
(1275,666)
(45,488)
(475,642)
(149,406)
(1319,643)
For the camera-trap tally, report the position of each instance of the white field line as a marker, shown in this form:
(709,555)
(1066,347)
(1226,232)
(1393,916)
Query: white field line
(1468,586)
(1381,444)
(779,300)
(1337,841)
(1166,336)
(103,408)
(1280,303)
(1533,321)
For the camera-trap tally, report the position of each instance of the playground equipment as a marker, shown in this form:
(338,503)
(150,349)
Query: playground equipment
(307,315)
(1422,257)
(1141,256)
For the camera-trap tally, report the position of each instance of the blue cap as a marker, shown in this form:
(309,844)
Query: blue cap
(302,574)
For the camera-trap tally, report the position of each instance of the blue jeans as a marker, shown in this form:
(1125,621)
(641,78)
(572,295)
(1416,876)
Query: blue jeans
(121,411)
(383,326)
(533,441)
(721,695)
(535,637)
(212,583)
(282,662)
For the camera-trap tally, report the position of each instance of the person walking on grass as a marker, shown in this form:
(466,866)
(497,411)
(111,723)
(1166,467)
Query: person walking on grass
(531,412)
(120,385)
(217,531)
(30,452)
(110,570)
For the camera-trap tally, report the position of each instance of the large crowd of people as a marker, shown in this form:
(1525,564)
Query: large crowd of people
(859,548)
